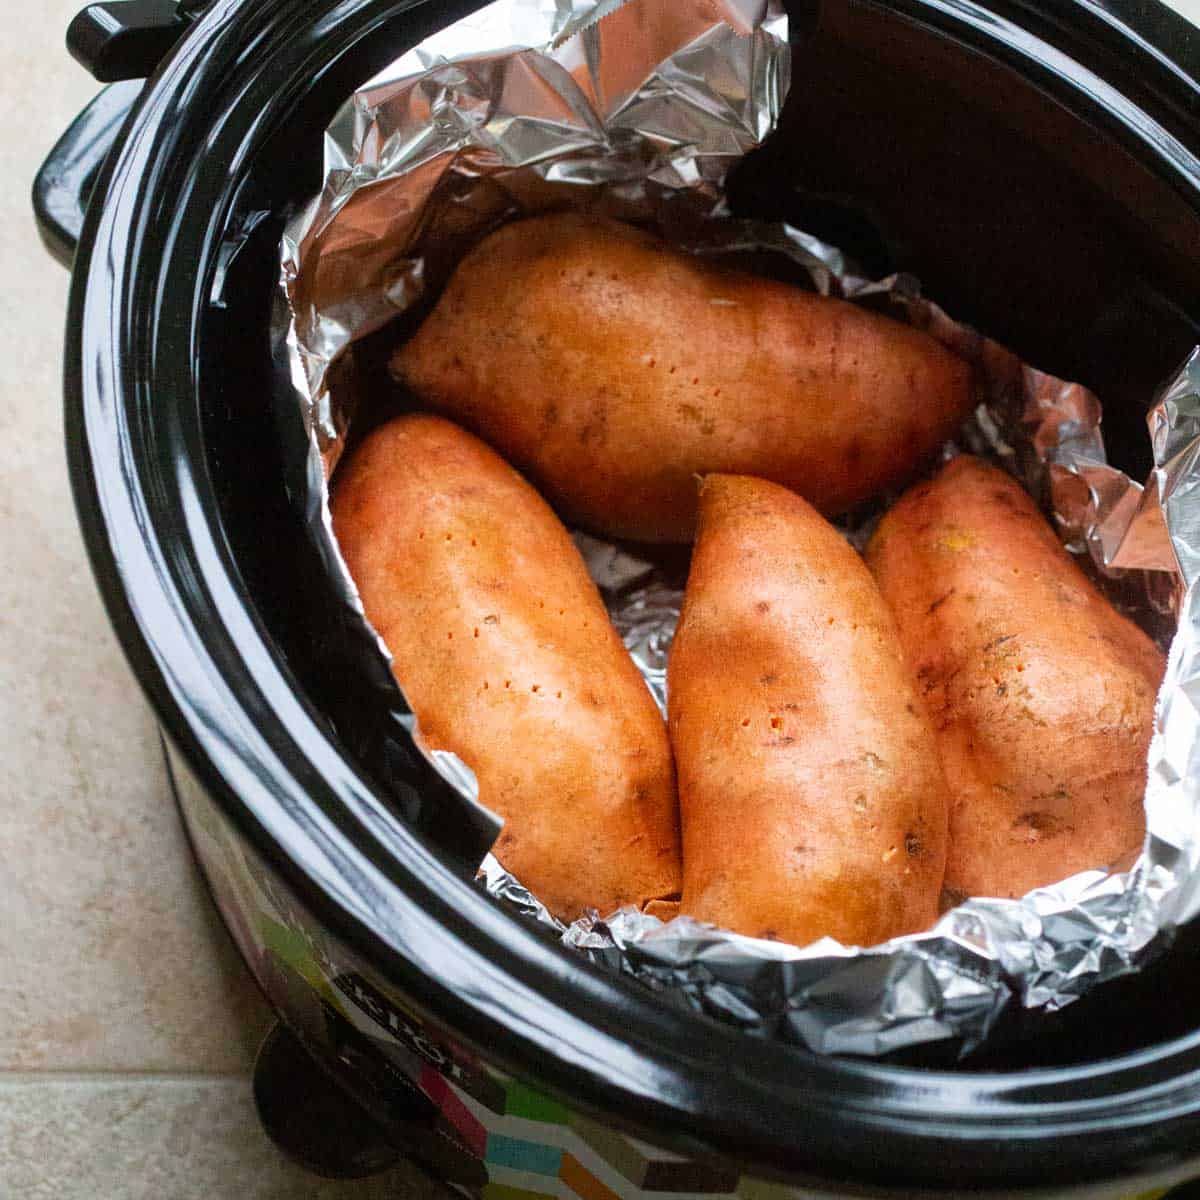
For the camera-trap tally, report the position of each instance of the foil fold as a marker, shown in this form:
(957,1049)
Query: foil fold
(638,110)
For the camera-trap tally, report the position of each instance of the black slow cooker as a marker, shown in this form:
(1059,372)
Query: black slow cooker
(1033,163)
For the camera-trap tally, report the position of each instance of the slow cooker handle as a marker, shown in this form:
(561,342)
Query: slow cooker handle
(304,1108)
(310,1119)
(119,42)
(126,39)
(63,186)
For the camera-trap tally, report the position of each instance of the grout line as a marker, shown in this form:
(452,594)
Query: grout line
(11,1078)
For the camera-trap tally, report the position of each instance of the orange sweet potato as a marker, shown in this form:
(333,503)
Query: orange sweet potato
(504,650)
(613,369)
(1041,693)
(811,797)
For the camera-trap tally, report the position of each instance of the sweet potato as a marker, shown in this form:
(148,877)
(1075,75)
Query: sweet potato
(1041,693)
(811,797)
(613,369)
(503,648)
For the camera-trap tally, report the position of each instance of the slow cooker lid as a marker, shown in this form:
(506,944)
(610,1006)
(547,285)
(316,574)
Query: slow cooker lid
(138,339)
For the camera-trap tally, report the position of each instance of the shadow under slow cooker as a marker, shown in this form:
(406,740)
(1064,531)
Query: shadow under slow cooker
(1018,214)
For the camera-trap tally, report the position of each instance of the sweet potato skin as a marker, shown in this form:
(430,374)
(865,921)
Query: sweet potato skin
(1042,694)
(506,654)
(811,797)
(614,369)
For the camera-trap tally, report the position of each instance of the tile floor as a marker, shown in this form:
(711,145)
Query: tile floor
(127,1024)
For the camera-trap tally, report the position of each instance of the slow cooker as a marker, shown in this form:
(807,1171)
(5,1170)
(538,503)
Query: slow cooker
(1032,163)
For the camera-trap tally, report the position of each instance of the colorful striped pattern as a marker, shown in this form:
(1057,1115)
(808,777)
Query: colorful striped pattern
(470,1129)
(537,1149)
(534,1157)
(582,1182)
(534,1148)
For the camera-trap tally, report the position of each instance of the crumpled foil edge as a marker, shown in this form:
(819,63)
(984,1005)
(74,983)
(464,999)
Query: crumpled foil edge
(429,128)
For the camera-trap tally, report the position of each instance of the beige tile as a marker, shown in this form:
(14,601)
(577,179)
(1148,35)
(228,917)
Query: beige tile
(159,1140)
(1189,9)
(111,958)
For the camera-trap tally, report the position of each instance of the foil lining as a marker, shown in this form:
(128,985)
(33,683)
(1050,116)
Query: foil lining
(638,110)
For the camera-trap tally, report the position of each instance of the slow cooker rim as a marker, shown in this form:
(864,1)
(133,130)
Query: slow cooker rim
(112,268)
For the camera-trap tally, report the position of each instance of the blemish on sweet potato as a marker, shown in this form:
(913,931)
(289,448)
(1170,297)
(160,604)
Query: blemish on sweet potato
(939,602)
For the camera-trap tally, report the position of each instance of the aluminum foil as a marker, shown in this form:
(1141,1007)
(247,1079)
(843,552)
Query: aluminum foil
(638,110)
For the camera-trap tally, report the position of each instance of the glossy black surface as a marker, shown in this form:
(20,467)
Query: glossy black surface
(310,1119)
(126,39)
(181,490)
(62,188)
(306,1112)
